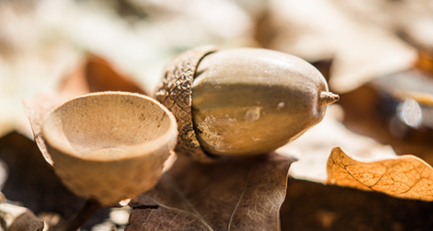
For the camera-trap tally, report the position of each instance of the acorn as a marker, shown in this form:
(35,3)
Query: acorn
(242,101)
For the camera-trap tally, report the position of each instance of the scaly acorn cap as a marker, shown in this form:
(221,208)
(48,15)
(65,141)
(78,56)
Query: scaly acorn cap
(175,93)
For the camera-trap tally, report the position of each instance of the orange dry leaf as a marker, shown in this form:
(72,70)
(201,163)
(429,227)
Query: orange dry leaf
(425,62)
(405,176)
(94,75)
(97,74)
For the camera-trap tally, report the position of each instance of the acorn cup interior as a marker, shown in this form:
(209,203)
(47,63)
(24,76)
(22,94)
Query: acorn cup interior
(109,146)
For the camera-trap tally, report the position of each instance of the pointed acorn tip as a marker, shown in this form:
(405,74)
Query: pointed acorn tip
(328,97)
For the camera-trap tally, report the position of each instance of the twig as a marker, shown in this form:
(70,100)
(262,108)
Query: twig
(85,212)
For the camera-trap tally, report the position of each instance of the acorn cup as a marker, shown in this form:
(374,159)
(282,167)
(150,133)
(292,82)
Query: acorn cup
(109,146)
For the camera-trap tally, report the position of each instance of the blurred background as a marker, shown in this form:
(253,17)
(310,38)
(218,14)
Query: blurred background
(378,55)
(351,42)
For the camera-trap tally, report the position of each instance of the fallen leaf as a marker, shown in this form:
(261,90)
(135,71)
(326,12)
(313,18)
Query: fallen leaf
(395,109)
(97,74)
(360,50)
(411,20)
(404,176)
(32,183)
(405,102)
(310,207)
(54,221)
(240,194)
(17,218)
(313,147)
(425,62)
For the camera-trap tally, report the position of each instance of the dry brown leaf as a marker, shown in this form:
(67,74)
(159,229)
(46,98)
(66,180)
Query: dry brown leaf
(360,50)
(33,183)
(394,109)
(240,194)
(405,176)
(313,147)
(310,207)
(17,218)
(425,62)
(411,20)
(96,74)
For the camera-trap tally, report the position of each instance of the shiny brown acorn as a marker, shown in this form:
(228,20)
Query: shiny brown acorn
(241,101)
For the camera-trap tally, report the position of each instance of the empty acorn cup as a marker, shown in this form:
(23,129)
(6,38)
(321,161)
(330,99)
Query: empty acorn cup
(109,146)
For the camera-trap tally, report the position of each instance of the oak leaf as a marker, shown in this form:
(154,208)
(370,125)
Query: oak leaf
(93,75)
(240,194)
(17,218)
(32,182)
(310,206)
(97,74)
(312,37)
(313,147)
(404,176)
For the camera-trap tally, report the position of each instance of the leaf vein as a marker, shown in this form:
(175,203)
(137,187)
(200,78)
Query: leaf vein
(189,205)
(239,201)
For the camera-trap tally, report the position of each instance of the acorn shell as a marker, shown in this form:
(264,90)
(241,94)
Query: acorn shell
(249,101)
